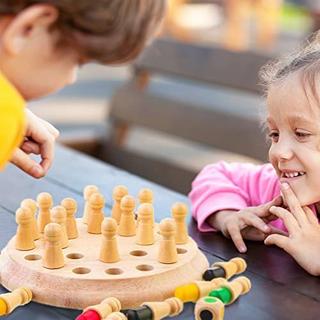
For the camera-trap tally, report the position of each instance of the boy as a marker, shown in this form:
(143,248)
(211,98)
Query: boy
(42,43)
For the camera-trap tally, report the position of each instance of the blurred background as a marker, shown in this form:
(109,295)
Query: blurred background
(192,98)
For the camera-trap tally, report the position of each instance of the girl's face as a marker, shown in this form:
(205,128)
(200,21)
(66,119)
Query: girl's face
(293,121)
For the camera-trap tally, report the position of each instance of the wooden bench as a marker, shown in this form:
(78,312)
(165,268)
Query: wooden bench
(231,123)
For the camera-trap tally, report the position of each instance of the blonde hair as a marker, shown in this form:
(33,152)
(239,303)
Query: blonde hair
(106,31)
(305,60)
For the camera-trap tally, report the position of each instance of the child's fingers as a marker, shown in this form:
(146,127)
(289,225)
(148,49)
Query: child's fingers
(278,240)
(235,235)
(293,204)
(263,210)
(54,131)
(28,165)
(310,215)
(31,147)
(256,222)
(288,219)
(275,230)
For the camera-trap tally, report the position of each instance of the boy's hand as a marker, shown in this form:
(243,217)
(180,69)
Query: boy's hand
(303,241)
(39,139)
(249,223)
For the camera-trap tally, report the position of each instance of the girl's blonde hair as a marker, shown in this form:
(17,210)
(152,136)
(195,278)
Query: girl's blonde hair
(305,60)
(106,31)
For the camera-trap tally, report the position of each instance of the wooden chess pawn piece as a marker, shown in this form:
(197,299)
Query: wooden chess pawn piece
(87,192)
(71,208)
(102,310)
(167,249)
(118,193)
(146,196)
(179,212)
(109,248)
(53,255)
(32,205)
(59,216)
(24,237)
(12,300)
(96,213)
(145,234)
(209,308)
(45,203)
(170,307)
(225,269)
(127,227)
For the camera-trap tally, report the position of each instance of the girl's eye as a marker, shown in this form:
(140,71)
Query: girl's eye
(273,136)
(301,134)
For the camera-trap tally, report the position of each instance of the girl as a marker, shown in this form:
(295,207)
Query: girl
(244,200)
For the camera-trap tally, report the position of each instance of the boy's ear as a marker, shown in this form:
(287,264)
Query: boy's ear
(26,24)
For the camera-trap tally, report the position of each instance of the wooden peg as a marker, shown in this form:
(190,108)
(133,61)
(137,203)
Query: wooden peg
(12,300)
(179,212)
(145,234)
(170,307)
(87,192)
(45,203)
(238,286)
(193,291)
(229,268)
(116,316)
(109,248)
(53,255)
(127,227)
(106,307)
(59,215)
(167,249)
(70,206)
(96,213)
(24,237)
(32,205)
(118,193)
(209,308)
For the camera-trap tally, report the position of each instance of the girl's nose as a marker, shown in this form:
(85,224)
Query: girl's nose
(281,150)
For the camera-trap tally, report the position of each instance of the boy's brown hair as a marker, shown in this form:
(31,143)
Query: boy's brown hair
(106,31)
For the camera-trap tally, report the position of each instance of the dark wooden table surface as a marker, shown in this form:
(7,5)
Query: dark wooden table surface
(280,288)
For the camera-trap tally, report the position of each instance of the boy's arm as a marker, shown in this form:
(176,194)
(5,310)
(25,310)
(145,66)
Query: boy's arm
(39,139)
(230,187)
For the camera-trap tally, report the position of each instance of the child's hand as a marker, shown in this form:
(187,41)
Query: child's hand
(39,139)
(303,241)
(249,223)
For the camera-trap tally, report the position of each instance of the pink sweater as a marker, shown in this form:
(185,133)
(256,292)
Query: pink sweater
(234,186)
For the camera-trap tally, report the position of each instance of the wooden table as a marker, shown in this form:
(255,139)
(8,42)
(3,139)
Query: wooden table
(280,288)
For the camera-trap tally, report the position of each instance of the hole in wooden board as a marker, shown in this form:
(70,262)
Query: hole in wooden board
(81,270)
(32,257)
(144,267)
(138,253)
(181,250)
(75,256)
(114,271)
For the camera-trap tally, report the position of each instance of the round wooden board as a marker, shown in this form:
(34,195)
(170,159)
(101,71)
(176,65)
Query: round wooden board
(84,280)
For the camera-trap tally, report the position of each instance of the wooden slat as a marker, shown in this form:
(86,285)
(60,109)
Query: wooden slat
(204,63)
(234,132)
(165,173)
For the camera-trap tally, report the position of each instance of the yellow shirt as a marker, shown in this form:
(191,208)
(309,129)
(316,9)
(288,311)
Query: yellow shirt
(12,120)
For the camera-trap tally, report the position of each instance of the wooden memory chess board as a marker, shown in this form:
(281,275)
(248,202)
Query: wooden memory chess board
(85,280)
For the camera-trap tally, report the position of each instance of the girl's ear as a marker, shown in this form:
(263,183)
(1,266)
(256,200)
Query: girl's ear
(25,26)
